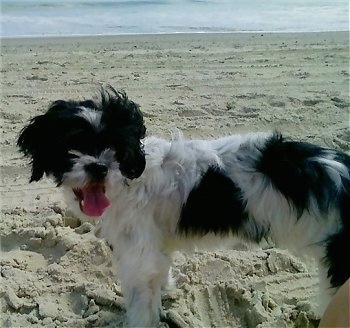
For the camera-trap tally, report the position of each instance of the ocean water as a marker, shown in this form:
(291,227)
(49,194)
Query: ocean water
(113,17)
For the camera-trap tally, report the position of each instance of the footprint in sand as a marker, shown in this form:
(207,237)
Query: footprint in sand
(312,102)
(340,103)
(191,113)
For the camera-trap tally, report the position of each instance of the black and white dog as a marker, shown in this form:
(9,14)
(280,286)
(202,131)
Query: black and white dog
(157,196)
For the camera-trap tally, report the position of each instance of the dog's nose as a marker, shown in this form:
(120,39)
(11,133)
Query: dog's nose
(97,171)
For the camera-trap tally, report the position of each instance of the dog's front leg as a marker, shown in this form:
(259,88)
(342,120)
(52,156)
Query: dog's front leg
(141,309)
(143,271)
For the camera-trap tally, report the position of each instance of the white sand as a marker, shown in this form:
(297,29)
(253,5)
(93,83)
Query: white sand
(55,273)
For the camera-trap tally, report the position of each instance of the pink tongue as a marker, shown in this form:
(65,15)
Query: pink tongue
(95,201)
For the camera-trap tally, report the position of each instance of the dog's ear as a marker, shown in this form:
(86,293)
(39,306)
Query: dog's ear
(125,127)
(36,140)
(32,142)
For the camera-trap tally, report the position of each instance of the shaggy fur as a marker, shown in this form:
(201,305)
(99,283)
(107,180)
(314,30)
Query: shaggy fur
(158,196)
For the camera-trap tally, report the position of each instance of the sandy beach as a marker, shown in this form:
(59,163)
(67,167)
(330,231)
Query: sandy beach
(56,273)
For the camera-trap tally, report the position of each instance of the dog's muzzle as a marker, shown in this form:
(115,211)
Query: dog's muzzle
(92,199)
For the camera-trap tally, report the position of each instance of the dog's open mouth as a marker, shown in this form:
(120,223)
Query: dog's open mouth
(92,199)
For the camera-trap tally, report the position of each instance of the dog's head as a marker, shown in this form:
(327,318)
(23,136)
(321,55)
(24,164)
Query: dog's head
(83,144)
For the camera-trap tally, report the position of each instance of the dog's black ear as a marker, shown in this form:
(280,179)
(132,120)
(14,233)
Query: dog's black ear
(125,127)
(36,139)
(32,143)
